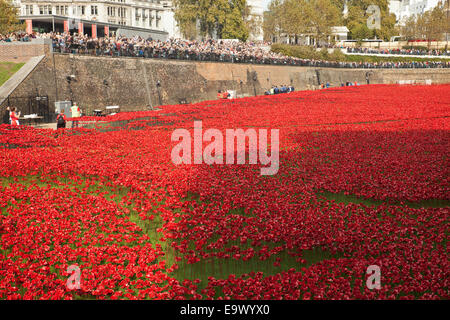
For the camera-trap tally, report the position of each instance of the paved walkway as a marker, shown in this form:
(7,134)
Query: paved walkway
(395,55)
(12,83)
(53,125)
(46,126)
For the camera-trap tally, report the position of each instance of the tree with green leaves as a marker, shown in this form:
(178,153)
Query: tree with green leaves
(321,16)
(9,21)
(410,28)
(302,17)
(254,23)
(186,16)
(273,25)
(357,17)
(227,19)
(235,24)
(431,25)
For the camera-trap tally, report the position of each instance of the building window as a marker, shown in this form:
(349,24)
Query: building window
(29,10)
(137,15)
(150,18)
(111,11)
(62,10)
(122,12)
(94,10)
(158,18)
(81,10)
(45,10)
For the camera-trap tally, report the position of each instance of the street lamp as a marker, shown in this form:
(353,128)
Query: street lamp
(158,88)
(70,79)
(106,84)
(448,26)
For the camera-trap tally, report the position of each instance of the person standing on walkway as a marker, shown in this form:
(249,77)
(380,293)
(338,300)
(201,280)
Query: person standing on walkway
(76,113)
(61,120)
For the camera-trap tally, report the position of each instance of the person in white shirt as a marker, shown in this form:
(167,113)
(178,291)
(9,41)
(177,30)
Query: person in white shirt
(76,113)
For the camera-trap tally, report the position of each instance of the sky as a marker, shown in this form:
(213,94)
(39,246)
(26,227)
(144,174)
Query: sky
(265,4)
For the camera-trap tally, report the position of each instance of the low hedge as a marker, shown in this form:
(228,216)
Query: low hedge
(309,52)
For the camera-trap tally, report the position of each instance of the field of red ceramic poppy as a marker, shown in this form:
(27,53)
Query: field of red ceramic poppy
(363,180)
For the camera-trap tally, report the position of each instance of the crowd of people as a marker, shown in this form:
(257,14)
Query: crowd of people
(407,52)
(209,50)
(11,116)
(278,90)
(17,36)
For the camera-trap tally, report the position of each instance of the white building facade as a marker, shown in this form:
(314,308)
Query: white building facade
(257,15)
(146,14)
(403,9)
(143,14)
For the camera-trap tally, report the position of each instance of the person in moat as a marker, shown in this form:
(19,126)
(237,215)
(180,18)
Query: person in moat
(76,113)
(6,119)
(272,90)
(14,116)
(61,120)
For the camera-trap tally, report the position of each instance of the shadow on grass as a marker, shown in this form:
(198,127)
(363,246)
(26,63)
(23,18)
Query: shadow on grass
(222,268)
(346,199)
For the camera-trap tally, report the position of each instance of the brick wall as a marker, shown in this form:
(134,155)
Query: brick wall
(103,81)
(23,51)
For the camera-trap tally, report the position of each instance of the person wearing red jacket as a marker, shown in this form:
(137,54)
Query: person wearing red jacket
(222,95)
(14,116)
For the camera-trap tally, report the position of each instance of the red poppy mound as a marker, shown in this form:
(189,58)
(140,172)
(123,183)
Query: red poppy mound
(363,180)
